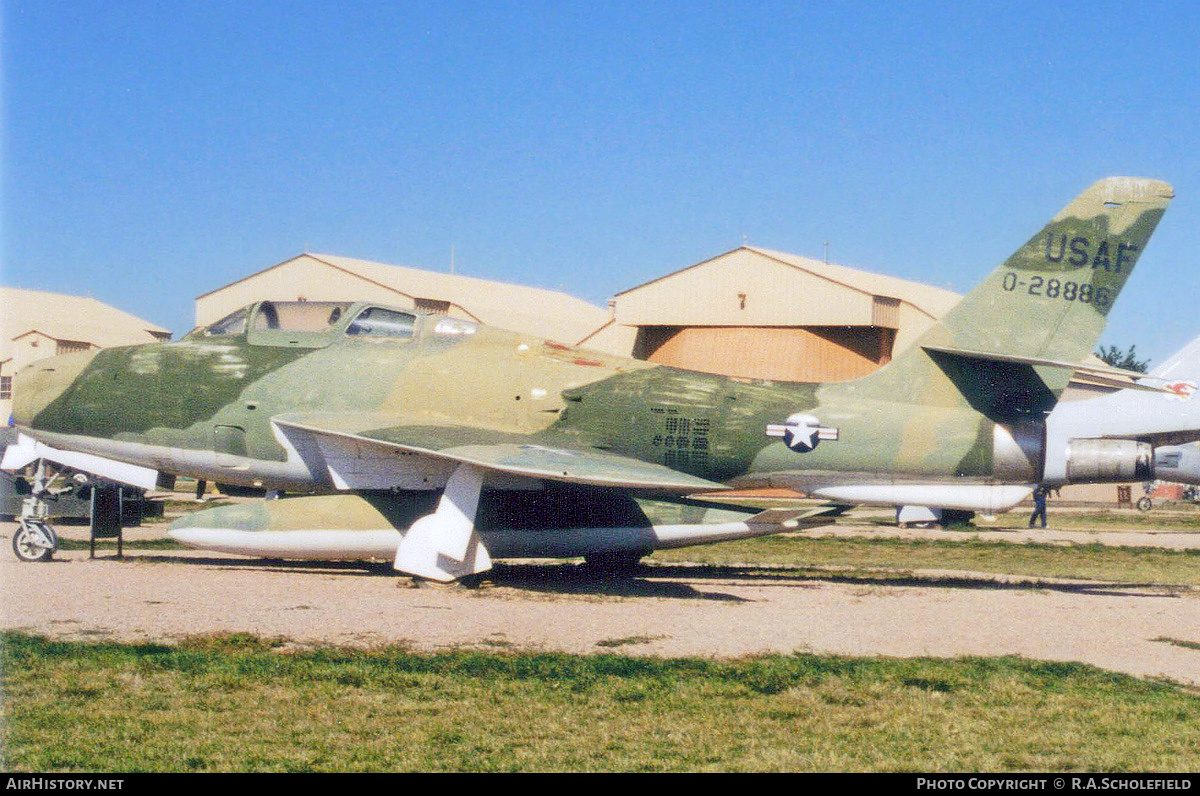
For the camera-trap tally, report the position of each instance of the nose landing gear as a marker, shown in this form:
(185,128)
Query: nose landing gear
(34,539)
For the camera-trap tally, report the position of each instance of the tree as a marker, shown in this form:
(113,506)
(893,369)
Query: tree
(1126,360)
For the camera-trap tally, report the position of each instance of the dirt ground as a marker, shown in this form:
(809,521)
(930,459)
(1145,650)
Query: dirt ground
(667,610)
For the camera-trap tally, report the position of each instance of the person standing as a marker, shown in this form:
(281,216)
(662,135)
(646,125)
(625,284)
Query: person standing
(1039,505)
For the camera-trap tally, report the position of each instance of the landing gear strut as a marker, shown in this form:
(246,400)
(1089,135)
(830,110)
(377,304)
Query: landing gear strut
(615,564)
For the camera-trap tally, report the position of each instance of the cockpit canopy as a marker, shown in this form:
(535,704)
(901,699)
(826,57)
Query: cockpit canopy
(315,324)
(299,316)
(284,316)
(382,322)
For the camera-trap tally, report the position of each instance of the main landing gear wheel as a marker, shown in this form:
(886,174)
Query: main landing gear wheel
(613,564)
(34,541)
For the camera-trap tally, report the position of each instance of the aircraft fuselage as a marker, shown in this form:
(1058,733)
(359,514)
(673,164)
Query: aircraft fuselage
(203,406)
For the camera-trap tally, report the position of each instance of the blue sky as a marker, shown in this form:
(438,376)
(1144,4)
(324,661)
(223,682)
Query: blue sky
(153,151)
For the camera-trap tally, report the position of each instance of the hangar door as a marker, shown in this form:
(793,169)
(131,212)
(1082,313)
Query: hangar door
(782,353)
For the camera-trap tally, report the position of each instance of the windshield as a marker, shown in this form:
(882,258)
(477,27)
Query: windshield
(379,322)
(233,323)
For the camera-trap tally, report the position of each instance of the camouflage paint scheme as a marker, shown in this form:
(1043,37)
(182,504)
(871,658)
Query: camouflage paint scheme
(926,414)
(966,403)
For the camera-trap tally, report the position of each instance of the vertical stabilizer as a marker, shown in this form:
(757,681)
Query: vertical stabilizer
(1183,364)
(1048,301)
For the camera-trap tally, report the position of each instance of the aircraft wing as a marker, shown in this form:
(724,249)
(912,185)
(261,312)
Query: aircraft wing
(1170,418)
(364,451)
(1157,437)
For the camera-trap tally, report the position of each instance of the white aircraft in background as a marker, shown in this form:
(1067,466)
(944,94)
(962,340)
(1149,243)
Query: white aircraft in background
(1156,431)
(1145,433)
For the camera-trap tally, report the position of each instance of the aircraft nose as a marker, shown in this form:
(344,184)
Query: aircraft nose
(38,385)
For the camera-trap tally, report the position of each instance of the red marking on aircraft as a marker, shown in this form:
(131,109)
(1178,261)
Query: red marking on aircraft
(1183,389)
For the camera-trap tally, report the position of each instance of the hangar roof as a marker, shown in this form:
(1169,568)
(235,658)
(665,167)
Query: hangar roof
(832,294)
(935,301)
(64,317)
(545,313)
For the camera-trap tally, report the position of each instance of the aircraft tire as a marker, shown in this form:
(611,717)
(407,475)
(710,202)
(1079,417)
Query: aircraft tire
(610,565)
(233,490)
(25,549)
(1145,504)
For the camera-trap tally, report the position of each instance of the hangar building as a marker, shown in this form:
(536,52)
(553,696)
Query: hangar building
(749,312)
(766,314)
(35,325)
(322,277)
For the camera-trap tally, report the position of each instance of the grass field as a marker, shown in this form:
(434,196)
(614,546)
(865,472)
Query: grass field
(239,704)
(1183,518)
(868,558)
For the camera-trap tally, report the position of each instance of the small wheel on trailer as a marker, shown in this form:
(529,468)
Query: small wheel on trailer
(34,542)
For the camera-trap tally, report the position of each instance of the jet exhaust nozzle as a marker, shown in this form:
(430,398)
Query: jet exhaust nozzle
(1179,464)
(1106,461)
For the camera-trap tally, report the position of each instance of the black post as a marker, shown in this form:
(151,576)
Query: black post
(106,516)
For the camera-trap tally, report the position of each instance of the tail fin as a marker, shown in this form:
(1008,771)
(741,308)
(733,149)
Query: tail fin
(1183,364)
(1007,347)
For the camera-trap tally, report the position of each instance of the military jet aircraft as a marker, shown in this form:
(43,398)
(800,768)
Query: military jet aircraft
(442,444)
(1149,430)
(1131,435)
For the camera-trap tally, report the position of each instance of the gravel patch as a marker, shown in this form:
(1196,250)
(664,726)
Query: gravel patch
(667,610)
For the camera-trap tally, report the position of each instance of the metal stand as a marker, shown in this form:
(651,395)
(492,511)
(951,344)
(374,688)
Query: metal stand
(107,509)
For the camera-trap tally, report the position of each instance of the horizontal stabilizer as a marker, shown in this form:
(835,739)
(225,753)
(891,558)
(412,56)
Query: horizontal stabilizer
(1117,377)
